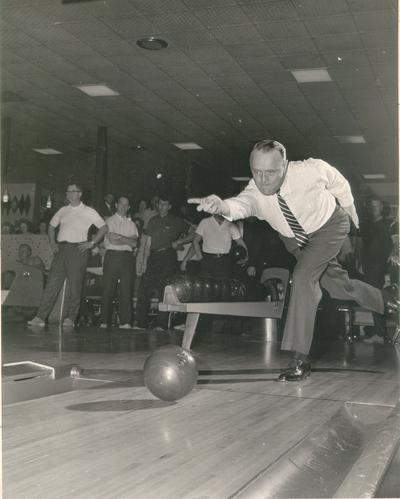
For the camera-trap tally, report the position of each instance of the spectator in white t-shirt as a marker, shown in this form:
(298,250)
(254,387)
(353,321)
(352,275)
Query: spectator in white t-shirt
(217,235)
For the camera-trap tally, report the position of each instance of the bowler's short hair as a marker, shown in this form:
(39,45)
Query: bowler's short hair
(270,145)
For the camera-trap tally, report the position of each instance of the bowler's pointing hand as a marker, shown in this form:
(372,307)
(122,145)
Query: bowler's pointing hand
(211,204)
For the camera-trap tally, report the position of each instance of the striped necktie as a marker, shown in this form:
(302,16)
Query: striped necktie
(298,231)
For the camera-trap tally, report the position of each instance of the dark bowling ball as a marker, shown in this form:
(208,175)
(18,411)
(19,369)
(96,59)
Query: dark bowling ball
(238,253)
(170,372)
(183,288)
(225,290)
(197,288)
(238,290)
(271,288)
(217,290)
(207,289)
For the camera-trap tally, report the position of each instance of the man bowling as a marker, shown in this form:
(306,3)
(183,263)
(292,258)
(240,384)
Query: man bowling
(309,203)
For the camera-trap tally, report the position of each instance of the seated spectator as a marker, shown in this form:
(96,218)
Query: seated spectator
(7,228)
(23,226)
(25,257)
(42,228)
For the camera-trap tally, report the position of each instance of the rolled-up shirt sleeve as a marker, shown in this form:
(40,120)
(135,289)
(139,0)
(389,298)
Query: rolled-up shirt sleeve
(242,206)
(335,183)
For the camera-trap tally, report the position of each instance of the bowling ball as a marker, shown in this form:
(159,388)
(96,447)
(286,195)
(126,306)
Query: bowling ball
(238,290)
(238,253)
(271,288)
(170,372)
(216,290)
(183,288)
(197,290)
(207,289)
(225,290)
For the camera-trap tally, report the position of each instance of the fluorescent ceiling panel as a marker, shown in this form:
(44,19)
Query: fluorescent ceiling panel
(99,90)
(187,146)
(374,176)
(47,151)
(351,139)
(311,75)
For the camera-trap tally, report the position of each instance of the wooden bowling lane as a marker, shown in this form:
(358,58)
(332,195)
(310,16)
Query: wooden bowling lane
(117,440)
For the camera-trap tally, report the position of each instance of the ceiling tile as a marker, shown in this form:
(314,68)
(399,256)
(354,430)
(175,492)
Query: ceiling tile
(330,25)
(175,21)
(199,4)
(221,16)
(376,20)
(338,43)
(320,8)
(270,11)
(281,29)
(374,39)
(365,5)
(236,35)
(154,7)
(302,61)
(292,46)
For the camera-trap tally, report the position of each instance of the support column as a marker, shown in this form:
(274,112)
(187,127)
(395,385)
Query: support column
(101,166)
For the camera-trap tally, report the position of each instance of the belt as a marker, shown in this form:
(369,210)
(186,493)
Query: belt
(119,251)
(73,244)
(159,250)
(216,255)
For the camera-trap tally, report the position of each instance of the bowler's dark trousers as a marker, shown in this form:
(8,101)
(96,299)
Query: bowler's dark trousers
(317,265)
(161,266)
(69,263)
(118,265)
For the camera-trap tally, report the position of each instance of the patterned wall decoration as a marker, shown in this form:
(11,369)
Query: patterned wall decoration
(21,202)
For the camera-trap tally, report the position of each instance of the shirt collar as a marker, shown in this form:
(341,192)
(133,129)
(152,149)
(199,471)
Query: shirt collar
(78,206)
(285,187)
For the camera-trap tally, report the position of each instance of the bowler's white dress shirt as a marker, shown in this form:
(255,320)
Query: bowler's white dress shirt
(74,222)
(310,189)
(122,226)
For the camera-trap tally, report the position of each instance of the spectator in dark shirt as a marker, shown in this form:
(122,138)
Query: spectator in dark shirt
(163,229)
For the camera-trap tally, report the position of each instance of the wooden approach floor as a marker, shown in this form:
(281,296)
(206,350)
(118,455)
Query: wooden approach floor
(115,440)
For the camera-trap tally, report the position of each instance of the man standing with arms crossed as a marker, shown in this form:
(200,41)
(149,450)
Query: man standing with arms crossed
(119,264)
(298,199)
(71,254)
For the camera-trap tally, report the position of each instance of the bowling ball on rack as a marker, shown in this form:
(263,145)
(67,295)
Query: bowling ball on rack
(197,290)
(225,290)
(238,290)
(207,289)
(170,373)
(216,290)
(271,287)
(183,287)
(238,253)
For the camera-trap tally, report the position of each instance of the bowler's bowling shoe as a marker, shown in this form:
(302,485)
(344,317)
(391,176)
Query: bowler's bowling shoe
(298,370)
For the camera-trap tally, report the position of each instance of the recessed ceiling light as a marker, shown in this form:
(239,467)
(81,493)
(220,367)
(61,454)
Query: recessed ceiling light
(47,151)
(241,179)
(139,148)
(374,176)
(96,90)
(152,43)
(351,139)
(339,59)
(310,75)
(186,146)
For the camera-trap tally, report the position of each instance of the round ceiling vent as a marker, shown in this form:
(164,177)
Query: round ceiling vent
(152,43)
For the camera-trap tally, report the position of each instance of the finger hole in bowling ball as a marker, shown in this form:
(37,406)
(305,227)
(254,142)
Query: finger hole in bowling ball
(170,373)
